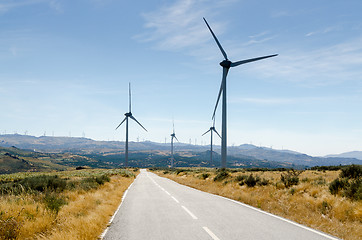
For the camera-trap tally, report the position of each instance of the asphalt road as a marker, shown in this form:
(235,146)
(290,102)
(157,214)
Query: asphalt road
(158,208)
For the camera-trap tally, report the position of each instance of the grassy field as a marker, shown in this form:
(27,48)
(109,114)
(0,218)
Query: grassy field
(302,196)
(60,205)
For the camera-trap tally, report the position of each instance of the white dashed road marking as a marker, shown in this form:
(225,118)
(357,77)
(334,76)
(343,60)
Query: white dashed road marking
(211,233)
(189,212)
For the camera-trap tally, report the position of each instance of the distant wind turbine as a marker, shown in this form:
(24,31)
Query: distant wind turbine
(128,115)
(212,129)
(226,64)
(173,135)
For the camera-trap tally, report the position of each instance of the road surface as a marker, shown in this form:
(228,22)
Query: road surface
(158,208)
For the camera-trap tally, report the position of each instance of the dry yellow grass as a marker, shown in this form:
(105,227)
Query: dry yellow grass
(85,216)
(309,203)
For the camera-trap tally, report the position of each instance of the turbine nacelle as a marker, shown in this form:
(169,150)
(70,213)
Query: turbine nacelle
(129,114)
(225,64)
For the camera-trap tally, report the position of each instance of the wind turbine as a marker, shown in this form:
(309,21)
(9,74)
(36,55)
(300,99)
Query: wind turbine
(173,135)
(212,129)
(128,115)
(226,64)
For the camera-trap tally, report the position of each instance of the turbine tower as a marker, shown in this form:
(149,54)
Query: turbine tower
(226,64)
(212,129)
(173,135)
(128,115)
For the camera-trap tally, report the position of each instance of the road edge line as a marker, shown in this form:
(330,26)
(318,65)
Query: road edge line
(115,213)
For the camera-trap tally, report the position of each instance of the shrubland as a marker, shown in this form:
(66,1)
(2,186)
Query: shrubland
(60,205)
(327,199)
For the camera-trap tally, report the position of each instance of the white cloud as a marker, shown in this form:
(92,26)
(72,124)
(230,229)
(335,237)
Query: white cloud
(324,66)
(323,31)
(8,5)
(180,25)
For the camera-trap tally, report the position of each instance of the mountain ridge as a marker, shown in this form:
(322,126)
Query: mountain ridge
(244,151)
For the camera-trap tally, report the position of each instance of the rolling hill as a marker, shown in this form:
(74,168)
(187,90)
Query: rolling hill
(149,154)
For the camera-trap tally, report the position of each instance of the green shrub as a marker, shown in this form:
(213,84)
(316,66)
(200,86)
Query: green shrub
(263,182)
(337,185)
(54,202)
(325,207)
(241,178)
(290,178)
(43,183)
(204,176)
(88,183)
(178,171)
(354,190)
(221,176)
(102,179)
(251,181)
(353,171)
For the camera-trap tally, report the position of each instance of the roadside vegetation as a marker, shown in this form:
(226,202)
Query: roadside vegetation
(326,198)
(60,205)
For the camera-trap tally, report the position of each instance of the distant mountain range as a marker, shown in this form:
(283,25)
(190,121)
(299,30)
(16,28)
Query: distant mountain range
(353,154)
(149,154)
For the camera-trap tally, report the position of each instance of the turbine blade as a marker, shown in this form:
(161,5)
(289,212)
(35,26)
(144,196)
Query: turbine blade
(176,139)
(138,122)
(234,64)
(217,41)
(121,123)
(217,133)
(206,132)
(129,93)
(224,74)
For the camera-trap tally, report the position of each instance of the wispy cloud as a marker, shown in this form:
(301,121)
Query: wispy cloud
(323,31)
(8,5)
(179,26)
(325,66)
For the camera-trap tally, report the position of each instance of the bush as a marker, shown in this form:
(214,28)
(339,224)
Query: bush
(221,176)
(354,190)
(41,183)
(290,178)
(241,178)
(102,179)
(178,171)
(53,202)
(325,207)
(352,172)
(88,183)
(204,176)
(251,180)
(337,185)
(263,182)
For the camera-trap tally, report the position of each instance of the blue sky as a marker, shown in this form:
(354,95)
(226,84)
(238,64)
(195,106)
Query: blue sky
(65,68)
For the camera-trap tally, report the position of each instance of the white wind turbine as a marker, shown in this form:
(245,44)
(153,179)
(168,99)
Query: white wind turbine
(226,64)
(212,129)
(173,135)
(128,115)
